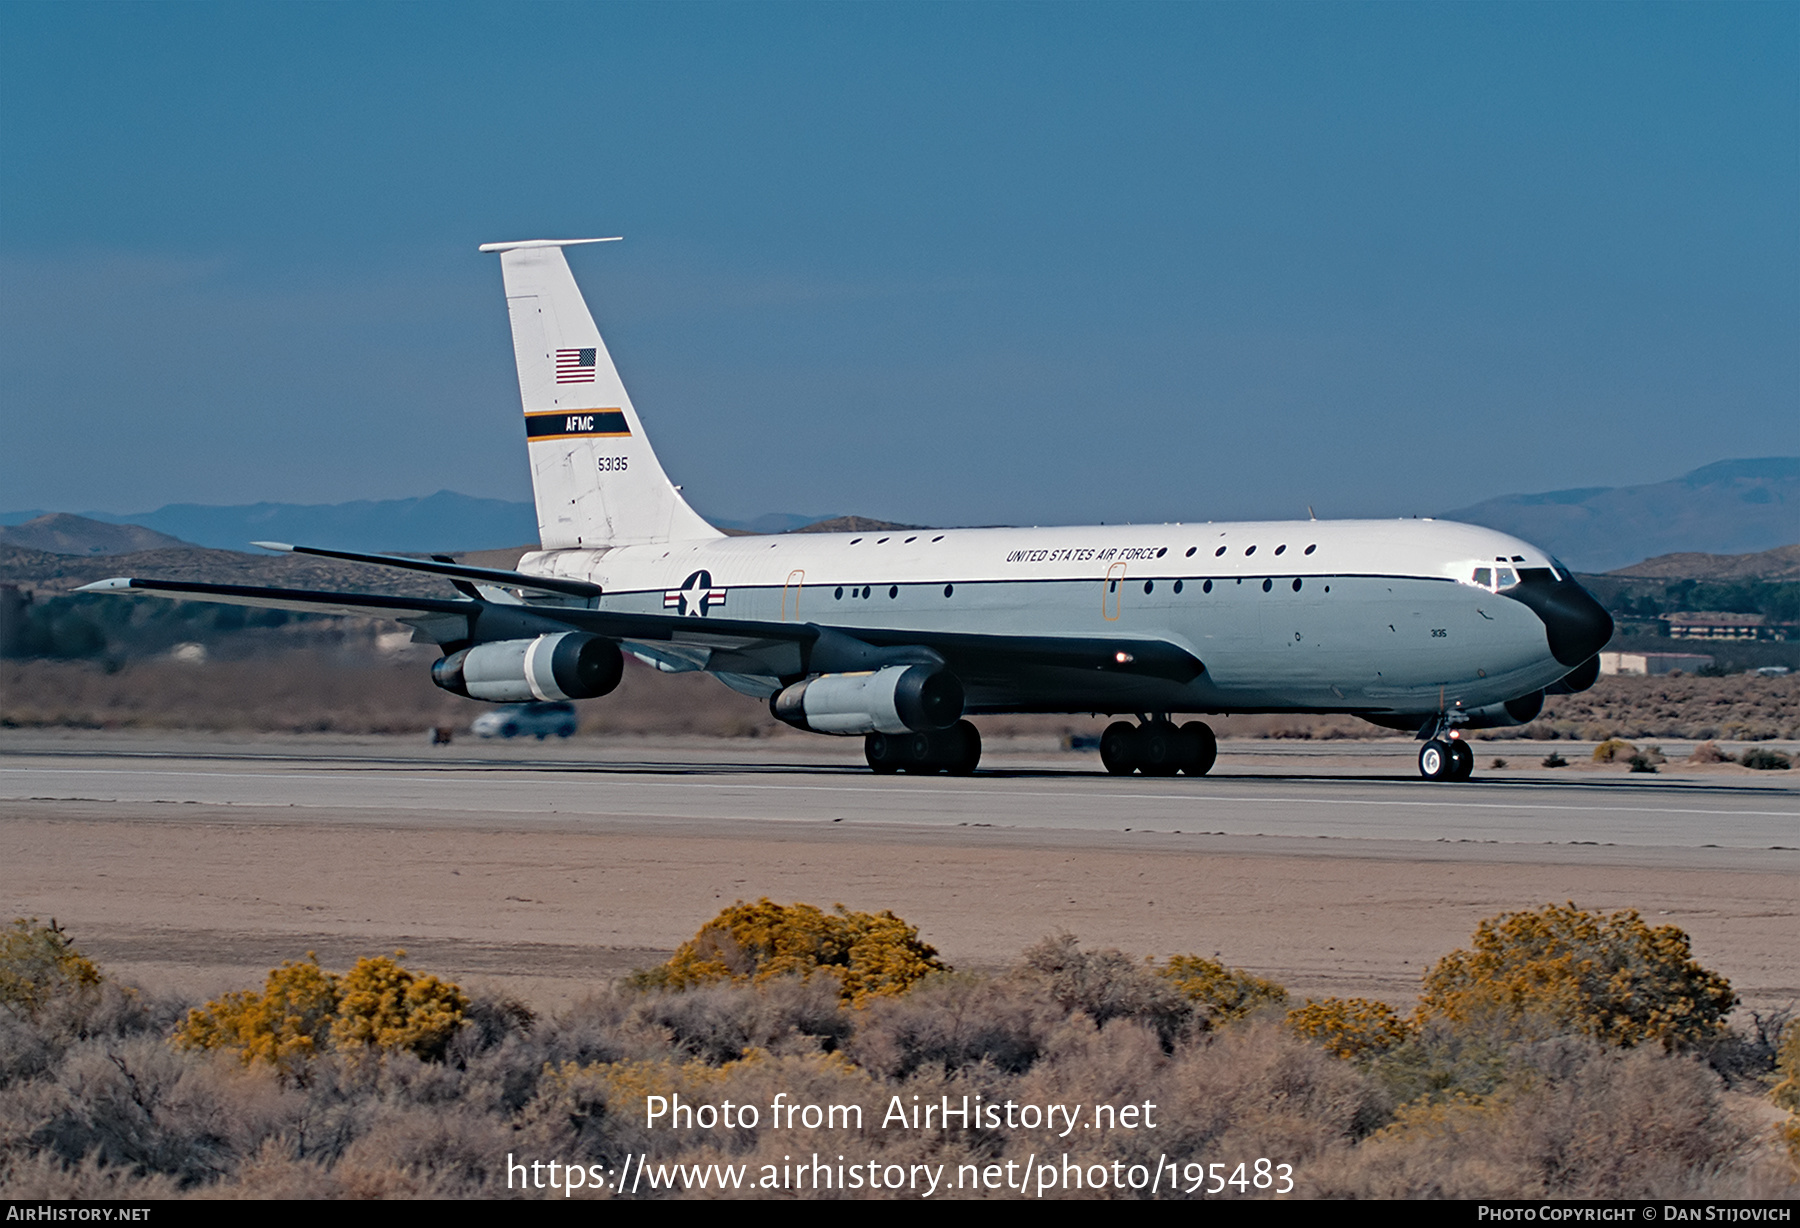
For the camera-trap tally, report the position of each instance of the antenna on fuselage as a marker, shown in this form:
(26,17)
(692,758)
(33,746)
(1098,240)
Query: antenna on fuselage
(1309,512)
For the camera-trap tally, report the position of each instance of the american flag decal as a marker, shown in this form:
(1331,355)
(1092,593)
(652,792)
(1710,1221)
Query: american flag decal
(575,366)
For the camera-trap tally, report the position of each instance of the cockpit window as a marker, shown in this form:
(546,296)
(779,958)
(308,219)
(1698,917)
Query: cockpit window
(1484,577)
(1504,577)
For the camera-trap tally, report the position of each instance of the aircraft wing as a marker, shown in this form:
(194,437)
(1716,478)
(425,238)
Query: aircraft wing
(299,600)
(740,646)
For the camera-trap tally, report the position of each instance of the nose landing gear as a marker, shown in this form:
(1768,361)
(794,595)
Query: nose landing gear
(1158,748)
(1446,760)
(1445,756)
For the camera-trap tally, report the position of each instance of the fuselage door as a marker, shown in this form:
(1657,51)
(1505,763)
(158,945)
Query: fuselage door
(1113,593)
(790,595)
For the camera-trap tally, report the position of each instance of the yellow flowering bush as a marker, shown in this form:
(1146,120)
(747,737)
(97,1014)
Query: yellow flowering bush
(1787,1092)
(39,964)
(285,1025)
(1610,976)
(870,954)
(383,1006)
(1225,993)
(1355,1029)
(304,1010)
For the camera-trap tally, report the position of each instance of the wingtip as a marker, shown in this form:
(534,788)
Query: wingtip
(113,585)
(282,547)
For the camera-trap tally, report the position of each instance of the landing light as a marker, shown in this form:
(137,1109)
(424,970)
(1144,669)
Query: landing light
(1123,658)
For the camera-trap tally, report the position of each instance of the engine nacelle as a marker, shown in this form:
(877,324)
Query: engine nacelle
(1520,711)
(897,699)
(1578,679)
(566,665)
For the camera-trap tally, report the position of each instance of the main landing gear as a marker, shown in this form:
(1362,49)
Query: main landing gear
(955,750)
(1158,748)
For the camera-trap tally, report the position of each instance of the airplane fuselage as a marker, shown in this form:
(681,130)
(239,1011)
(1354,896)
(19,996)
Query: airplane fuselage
(1350,616)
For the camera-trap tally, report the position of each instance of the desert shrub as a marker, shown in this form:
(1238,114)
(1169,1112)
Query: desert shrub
(1765,760)
(39,965)
(950,1022)
(722,1021)
(1573,1119)
(1709,752)
(1613,749)
(1787,1092)
(383,1006)
(304,1010)
(1105,985)
(1253,1089)
(869,954)
(1354,1029)
(285,1025)
(1221,994)
(1554,760)
(1561,969)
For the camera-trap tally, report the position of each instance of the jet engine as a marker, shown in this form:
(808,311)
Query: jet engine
(566,665)
(897,699)
(1578,679)
(1520,711)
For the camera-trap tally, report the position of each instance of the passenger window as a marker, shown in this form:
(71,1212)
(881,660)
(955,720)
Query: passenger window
(1281,549)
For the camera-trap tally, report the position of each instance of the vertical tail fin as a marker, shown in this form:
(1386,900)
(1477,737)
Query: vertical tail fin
(595,476)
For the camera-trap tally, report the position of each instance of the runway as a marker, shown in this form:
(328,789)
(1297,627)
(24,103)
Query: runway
(202,861)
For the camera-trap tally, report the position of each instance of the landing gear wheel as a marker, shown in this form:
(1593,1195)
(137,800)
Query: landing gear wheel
(1462,760)
(965,748)
(1159,749)
(879,750)
(1200,748)
(1118,748)
(1435,761)
(955,750)
(915,752)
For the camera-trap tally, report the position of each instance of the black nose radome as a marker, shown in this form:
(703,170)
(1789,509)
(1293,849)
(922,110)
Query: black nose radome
(1576,625)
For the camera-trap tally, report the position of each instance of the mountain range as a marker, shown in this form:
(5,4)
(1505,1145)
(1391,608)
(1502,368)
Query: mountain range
(1731,507)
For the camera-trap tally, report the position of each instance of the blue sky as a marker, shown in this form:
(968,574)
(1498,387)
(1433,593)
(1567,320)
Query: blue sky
(974,263)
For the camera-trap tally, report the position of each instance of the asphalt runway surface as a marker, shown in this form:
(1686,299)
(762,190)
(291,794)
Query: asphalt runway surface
(1331,865)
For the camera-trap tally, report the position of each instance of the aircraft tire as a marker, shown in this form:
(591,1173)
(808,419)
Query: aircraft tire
(965,748)
(913,753)
(878,749)
(1159,749)
(1435,762)
(1118,748)
(1201,747)
(1462,760)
